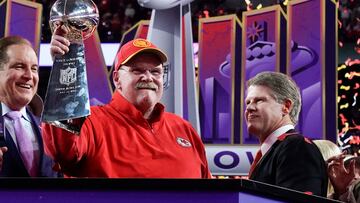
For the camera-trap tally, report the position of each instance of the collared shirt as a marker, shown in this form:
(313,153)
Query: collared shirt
(271,139)
(26,121)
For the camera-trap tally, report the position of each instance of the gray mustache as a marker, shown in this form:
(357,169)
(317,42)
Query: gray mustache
(146,85)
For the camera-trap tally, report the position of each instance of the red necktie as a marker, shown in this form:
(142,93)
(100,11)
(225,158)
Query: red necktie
(257,159)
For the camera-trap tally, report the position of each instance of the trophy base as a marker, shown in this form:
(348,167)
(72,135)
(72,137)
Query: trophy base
(71,125)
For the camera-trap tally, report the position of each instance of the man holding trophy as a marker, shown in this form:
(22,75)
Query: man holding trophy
(67,96)
(132,136)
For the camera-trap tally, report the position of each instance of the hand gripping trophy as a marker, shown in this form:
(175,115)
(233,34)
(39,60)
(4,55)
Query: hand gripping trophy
(67,94)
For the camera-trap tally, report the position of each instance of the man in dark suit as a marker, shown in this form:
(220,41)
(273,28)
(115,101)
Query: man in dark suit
(21,145)
(285,158)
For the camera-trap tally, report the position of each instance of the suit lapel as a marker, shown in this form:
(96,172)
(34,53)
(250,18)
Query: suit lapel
(13,154)
(45,162)
(270,152)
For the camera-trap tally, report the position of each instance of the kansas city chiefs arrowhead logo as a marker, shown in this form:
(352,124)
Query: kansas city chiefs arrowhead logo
(182,142)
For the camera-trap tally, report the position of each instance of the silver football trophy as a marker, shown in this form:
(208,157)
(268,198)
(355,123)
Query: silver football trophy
(67,94)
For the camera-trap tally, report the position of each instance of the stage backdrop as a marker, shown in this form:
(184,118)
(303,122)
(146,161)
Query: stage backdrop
(301,43)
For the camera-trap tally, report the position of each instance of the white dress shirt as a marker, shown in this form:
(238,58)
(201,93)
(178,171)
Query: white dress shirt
(271,139)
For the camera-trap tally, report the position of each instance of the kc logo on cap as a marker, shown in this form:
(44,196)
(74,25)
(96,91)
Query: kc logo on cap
(141,43)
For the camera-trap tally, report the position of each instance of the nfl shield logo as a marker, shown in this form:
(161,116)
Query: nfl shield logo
(67,76)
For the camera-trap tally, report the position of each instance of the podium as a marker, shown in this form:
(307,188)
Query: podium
(148,190)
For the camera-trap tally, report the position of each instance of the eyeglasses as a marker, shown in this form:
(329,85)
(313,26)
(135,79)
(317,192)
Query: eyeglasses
(156,72)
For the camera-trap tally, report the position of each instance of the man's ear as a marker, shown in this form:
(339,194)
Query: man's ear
(287,106)
(116,79)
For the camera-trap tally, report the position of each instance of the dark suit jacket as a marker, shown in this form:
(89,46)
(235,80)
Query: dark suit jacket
(12,163)
(293,162)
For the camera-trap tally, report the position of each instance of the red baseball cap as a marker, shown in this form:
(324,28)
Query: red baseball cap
(134,47)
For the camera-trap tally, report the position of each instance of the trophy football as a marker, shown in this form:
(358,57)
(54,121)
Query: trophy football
(67,94)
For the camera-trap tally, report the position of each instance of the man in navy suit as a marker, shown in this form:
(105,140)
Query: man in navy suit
(288,159)
(19,79)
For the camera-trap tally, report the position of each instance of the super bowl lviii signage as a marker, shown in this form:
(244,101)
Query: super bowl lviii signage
(219,78)
(300,43)
(312,62)
(264,49)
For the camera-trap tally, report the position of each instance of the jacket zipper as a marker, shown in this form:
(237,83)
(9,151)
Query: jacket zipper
(151,128)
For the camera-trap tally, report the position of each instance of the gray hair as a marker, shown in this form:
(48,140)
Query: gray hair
(327,148)
(8,41)
(283,87)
